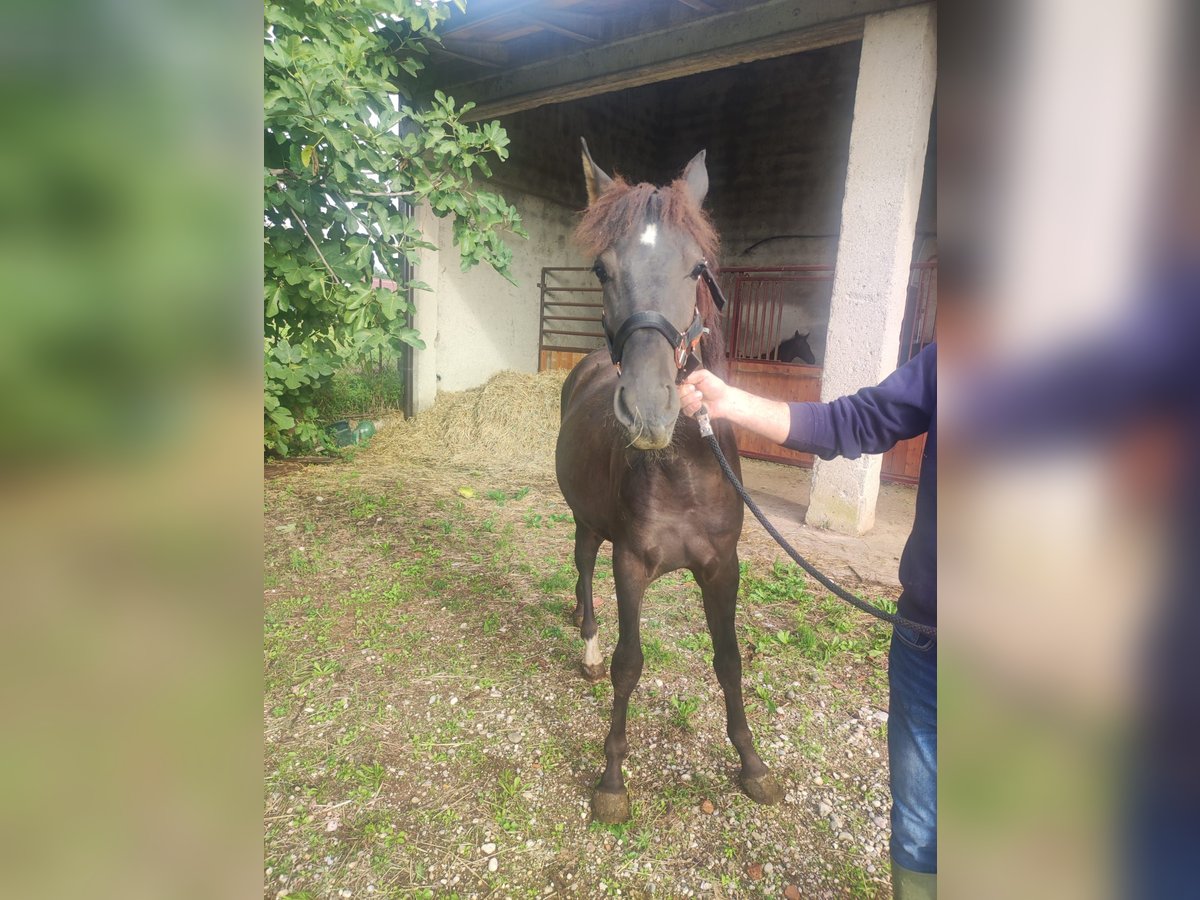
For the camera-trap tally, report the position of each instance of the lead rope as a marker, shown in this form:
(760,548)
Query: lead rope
(706,432)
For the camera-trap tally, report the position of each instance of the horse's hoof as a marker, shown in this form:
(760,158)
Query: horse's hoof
(594,674)
(611,809)
(763,789)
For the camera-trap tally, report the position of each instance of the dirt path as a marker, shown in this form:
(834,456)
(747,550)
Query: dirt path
(428,734)
(869,560)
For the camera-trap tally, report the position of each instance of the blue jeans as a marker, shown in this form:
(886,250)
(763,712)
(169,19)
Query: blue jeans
(912,749)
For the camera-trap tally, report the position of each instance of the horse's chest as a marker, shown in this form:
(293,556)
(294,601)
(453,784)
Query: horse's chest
(675,511)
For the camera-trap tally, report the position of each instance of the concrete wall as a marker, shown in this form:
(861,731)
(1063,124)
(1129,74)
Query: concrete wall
(888,147)
(486,324)
(777,134)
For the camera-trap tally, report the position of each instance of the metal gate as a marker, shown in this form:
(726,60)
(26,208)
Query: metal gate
(569,317)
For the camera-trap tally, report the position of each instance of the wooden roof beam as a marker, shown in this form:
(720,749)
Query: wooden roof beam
(577,26)
(485,53)
(483,11)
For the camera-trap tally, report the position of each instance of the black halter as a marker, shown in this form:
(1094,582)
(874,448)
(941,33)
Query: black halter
(682,342)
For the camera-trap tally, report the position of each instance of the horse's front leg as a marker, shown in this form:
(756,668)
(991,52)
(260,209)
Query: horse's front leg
(587,545)
(610,802)
(719,584)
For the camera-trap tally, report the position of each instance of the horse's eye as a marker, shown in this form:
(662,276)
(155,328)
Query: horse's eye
(697,271)
(601,272)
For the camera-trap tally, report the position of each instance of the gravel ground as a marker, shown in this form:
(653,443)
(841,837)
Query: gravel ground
(428,733)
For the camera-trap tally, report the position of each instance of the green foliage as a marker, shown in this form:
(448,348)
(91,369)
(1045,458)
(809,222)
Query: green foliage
(340,160)
(682,710)
(360,390)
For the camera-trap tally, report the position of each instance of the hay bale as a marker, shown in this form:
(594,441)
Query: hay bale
(507,425)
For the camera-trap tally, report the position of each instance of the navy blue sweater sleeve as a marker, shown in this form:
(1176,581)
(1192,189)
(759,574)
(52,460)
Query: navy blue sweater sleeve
(873,420)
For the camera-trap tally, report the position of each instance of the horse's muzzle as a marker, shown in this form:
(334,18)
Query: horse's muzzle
(648,429)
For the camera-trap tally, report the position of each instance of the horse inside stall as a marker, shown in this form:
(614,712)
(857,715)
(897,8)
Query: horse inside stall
(796,348)
(634,471)
(791,349)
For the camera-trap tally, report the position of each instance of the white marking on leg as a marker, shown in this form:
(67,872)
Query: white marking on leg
(591,651)
(650,235)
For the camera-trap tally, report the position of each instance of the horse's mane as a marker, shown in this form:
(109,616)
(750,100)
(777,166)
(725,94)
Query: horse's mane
(625,208)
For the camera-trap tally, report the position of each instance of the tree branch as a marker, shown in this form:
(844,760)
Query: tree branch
(304,228)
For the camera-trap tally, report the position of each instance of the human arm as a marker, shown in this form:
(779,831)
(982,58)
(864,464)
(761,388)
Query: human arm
(874,419)
(770,418)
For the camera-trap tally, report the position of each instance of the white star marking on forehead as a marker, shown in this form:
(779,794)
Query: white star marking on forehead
(650,235)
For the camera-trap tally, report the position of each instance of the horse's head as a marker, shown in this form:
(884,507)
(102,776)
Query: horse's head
(648,245)
(797,347)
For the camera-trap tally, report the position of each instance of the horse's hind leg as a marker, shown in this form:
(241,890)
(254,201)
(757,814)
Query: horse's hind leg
(610,802)
(720,602)
(587,545)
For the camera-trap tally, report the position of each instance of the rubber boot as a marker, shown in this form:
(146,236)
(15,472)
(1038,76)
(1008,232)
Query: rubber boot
(910,885)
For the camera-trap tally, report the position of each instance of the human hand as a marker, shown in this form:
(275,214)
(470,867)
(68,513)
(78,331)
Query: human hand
(703,388)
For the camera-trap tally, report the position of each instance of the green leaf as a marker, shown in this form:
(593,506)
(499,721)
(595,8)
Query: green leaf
(387,303)
(282,417)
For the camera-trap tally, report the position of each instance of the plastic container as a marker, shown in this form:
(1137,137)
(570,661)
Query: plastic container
(363,431)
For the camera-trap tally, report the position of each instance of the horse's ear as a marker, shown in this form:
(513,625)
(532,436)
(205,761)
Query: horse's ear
(797,334)
(695,178)
(596,178)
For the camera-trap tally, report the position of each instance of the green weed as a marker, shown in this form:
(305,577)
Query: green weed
(682,710)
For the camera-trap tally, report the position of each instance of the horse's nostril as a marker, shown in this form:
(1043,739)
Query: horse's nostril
(620,406)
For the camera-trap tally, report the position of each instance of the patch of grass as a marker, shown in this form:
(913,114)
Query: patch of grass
(366,780)
(785,583)
(371,389)
(500,497)
(858,882)
(303,563)
(682,710)
(700,642)
(366,505)
(506,805)
(655,653)
(491,623)
(764,694)
(814,750)
(558,581)
(825,626)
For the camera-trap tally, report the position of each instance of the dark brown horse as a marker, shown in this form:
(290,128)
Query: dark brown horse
(633,470)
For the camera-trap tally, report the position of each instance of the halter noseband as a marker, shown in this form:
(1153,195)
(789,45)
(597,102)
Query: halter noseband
(683,343)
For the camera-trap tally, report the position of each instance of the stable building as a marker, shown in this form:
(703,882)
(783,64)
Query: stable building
(817,119)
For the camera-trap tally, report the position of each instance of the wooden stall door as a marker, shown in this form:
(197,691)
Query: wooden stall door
(777,381)
(558,359)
